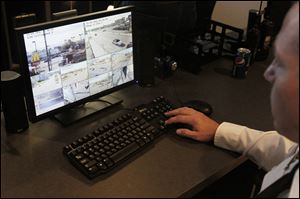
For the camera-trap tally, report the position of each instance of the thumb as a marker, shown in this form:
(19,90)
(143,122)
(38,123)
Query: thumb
(187,133)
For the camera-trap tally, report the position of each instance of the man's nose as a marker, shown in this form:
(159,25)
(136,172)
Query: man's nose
(269,74)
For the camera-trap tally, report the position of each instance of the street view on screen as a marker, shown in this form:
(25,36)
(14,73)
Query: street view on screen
(71,62)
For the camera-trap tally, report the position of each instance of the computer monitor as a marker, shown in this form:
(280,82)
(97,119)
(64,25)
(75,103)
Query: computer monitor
(68,62)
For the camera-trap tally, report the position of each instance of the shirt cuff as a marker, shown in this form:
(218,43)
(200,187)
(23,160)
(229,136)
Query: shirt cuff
(227,136)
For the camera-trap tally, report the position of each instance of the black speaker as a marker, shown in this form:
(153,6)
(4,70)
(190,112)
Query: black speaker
(145,62)
(13,105)
(254,18)
(148,36)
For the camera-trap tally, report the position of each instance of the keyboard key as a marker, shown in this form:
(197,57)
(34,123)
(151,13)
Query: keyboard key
(106,127)
(96,132)
(80,141)
(134,119)
(85,138)
(92,169)
(90,163)
(74,144)
(101,145)
(140,142)
(84,161)
(90,136)
(146,139)
(108,162)
(111,125)
(79,156)
(123,144)
(124,152)
(101,150)
(101,166)
(67,149)
(150,135)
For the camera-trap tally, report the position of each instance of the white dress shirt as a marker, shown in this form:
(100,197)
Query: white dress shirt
(269,150)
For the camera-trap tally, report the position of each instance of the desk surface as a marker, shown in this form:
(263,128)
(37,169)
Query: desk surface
(32,163)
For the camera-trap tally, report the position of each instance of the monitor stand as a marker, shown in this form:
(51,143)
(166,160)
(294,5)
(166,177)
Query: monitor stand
(77,113)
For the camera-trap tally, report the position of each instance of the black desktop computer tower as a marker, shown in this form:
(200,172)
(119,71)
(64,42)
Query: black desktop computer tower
(12,99)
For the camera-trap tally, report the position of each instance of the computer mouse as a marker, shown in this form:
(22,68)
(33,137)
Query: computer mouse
(200,106)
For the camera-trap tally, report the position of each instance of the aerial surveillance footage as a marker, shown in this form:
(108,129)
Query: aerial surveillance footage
(75,61)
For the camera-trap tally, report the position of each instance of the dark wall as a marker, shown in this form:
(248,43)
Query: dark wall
(16,8)
(82,7)
(4,53)
(181,16)
(101,5)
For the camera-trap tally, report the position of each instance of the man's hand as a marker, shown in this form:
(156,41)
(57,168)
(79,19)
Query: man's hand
(203,128)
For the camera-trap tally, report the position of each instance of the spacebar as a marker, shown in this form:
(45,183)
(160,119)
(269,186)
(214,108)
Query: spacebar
(124,152)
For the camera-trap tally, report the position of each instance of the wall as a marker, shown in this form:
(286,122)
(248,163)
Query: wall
(235,13)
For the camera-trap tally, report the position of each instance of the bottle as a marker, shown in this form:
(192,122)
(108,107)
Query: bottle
(266,37)
(239,68)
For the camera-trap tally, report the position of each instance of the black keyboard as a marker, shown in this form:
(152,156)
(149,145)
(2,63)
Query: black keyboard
(111,144)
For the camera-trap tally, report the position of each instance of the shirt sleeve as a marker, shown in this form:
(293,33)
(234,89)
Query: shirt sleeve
(294,191)
(266,149)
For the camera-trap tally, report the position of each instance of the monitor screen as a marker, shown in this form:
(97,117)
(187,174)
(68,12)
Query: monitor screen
(70,61)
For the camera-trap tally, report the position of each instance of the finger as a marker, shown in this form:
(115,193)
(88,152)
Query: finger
(186,119)
(179,111)
(187,133)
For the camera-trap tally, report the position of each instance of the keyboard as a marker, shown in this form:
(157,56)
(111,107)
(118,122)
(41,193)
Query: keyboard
(106,147)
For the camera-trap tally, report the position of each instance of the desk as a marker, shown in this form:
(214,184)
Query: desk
(32,163)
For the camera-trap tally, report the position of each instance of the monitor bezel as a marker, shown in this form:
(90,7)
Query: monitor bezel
(33,117)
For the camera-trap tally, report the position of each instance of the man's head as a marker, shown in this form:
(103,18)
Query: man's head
(283,73)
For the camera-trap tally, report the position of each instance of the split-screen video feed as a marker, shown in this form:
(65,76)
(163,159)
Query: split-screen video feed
(75,61)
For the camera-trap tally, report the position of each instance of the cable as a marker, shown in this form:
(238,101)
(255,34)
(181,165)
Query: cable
(260,6)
